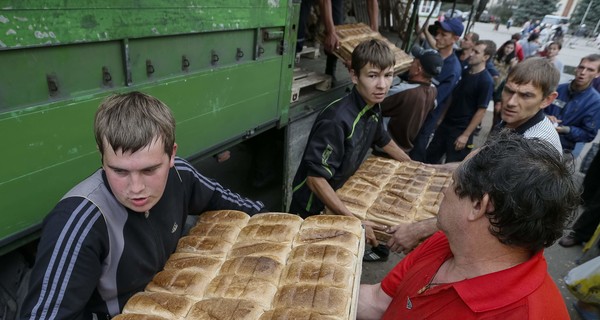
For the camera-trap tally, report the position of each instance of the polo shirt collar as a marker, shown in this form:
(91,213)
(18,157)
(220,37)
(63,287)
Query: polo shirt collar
(537,118)
(515,283)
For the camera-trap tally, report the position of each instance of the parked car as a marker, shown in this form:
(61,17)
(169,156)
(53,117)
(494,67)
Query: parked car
(457,13)
(486,17)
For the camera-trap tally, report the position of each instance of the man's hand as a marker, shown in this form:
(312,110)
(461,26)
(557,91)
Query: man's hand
(554,119)
(563,129)
(332,42)
(461,142)
(404,238)
(370,233)
(407,236)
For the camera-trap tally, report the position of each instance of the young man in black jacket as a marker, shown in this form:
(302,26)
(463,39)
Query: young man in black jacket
(108,236)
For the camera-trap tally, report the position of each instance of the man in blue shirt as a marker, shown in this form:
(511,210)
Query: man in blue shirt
(444,34)
(576,111)
(454,136)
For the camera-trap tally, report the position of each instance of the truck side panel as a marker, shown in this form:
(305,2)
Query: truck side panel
(223,67)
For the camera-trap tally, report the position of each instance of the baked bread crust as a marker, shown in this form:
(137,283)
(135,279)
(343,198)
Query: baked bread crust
(160,304)
(225,309)
(318,298)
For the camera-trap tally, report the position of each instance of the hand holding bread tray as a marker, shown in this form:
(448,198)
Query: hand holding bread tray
(389,192)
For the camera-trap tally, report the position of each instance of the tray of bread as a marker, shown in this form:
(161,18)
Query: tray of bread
(268,266)
(351,35)
(391,192)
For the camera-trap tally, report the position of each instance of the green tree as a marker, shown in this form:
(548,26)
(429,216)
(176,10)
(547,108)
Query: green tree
(533,10)
(592,17)
(504,9)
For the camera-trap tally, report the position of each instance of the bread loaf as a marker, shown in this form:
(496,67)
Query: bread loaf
(223,232)
(242,287)
(160,304)
(337,237)
(325,253)
(380,165)
(317,298)
(257,267)
(323,273)
(359,211)
(232,217)
(348,224)
(269,218)
(389,209)
(225,309)
(359,192)
(296,314)
(276,251)
(203,245)
(280,233)
(137,316)
(187,282)
(206,265)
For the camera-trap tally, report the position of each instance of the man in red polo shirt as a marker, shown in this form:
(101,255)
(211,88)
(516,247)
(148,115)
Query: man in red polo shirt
(487,261)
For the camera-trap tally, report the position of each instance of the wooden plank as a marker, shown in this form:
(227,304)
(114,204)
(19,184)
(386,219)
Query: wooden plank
(357,276)
(303,79)
(309,52)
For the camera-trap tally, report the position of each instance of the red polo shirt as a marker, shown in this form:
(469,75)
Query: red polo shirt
(525,291)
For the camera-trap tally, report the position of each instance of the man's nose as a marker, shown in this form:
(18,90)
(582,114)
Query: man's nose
(136,183)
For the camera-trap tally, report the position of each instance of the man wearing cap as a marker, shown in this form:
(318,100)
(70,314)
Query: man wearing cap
(454,137)
(409,102)
(446,34)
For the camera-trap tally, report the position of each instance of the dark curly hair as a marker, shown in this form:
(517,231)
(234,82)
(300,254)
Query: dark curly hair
(529,184)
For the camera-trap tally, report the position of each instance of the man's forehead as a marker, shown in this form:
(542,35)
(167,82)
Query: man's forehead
(594,65)
(528,87)
(369,67)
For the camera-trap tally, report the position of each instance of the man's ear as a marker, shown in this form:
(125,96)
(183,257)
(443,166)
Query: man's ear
(354,76)
(549,99)
(172,159)
(481,208)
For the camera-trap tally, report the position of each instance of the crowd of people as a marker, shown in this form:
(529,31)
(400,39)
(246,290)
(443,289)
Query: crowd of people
(482,257)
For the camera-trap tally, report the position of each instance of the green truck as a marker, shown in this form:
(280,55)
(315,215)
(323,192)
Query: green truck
(224,67)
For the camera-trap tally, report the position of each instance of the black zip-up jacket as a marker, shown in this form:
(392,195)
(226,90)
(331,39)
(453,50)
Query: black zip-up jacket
(338,143)
(94,253)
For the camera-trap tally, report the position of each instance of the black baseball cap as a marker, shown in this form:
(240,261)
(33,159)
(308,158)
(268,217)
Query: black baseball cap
(430,59)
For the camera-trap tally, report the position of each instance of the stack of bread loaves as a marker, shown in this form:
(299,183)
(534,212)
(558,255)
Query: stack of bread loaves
(351,35)
(390,192)
(270,266)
